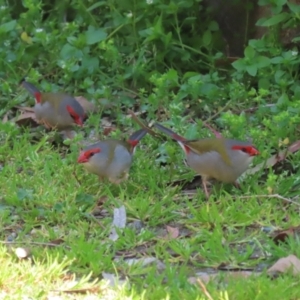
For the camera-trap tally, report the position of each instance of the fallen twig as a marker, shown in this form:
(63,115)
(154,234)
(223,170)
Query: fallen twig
(270,196)
(203,288)
(142,125)
(33,243)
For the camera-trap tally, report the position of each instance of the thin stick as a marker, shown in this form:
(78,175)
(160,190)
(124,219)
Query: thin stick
(270,196)
(191,193)
(75,176)
(32,243)
(142,125)
(218,112)
(204,290)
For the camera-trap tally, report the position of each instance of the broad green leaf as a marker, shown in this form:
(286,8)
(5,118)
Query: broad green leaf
(276,19)
(94,35)
(277,60)
(249,52)
(68,51)
(264,83)
(258,45)
(167,39)
(209,89)
(295,8)
(189,75)
(252,70)
(283,99)
(297,92)
(185,4)
(207,37)
(239,65)
(95,5)
(296,39)
(262,61)
(278,75)
(189,20)
(213,26)
(8,26)
(90,63)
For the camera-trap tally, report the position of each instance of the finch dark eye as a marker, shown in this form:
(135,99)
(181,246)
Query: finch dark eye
(89,153)
(244,150)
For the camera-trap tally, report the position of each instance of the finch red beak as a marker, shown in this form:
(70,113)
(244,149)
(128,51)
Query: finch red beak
(79,122)
(82,158)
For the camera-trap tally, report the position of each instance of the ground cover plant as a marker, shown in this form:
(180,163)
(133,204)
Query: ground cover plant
(66,235)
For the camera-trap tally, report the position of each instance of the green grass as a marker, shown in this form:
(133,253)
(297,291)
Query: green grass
(47,197)
(167,61)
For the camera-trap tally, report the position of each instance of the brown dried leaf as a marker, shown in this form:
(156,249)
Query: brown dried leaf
(269,163)
(204,277)
(88,106)
(217,134)
(108,130)
(294,147)
(106,122)
(25,108)
(57,241)
(173,232)
(25,118)
(5,118)
(102,200)
(284,264)
(283,235)
(275,158)
(226,275)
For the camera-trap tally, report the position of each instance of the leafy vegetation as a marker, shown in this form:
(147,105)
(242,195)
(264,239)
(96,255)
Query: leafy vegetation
(164,59)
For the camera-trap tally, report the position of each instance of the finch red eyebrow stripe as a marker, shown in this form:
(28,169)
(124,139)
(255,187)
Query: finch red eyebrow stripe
(38,97)
(252,151)
(88,153)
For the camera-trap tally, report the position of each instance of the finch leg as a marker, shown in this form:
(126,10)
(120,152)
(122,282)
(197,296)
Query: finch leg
(204,183)
(237,185)
(46,124)
(119,180)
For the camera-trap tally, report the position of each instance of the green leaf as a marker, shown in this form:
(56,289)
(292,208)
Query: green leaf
(24,194)
(264,83)
(188,75)
(283,99)
(252,70)
(296,39)
(295,8)
(94,35)
(189,20)
(209,89)
(167,39)
(95,5)
(297,92)
(68,51)
(262,61)
(90,63)
(277,60)
(276,19)
(249,52)
(8,26)
(239,65)
(258,45)
(213,26)
(207,37)
(278,76)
